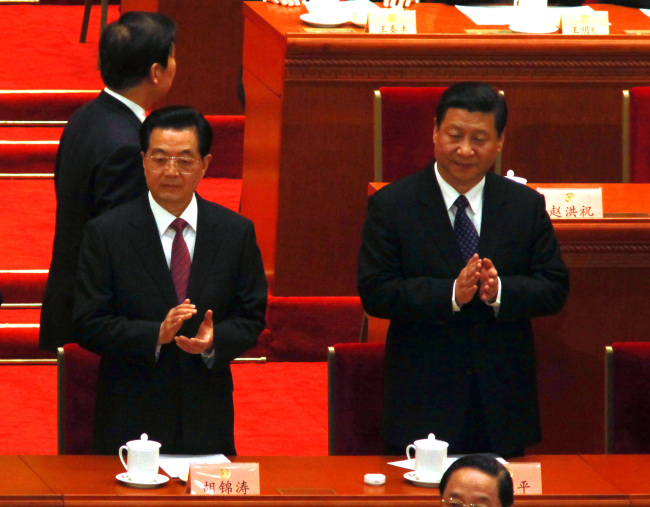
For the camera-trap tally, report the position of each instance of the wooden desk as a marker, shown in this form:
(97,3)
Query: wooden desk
(21,486)
(321,480)
(629,474)
(609,260)
(309,145)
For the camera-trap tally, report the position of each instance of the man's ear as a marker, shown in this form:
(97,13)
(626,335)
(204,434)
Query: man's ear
(154,72)
(206,163)
(501,140)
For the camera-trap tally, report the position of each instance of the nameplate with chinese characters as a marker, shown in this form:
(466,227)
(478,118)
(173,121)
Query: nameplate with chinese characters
(526,478)
(224,479)
(391,21)
(585,23)
(573,203)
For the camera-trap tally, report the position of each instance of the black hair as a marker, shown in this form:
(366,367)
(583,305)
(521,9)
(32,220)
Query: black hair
(489,466)
(177,118)
(129,47)
(474,97)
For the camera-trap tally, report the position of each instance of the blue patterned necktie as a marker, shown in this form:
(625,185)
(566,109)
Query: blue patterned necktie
(466,235)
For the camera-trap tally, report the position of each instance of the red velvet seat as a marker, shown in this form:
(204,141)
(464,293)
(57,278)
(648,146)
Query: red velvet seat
(628,398)
(636,135)
(77,383)
(355,398)
(404,130)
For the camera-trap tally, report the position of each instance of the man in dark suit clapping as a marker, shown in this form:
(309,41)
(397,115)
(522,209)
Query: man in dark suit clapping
(170,289)
(459,259)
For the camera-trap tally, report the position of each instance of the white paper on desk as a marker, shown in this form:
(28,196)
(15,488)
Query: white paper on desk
(409,464)
(645,11)
(507,14)
(172,464)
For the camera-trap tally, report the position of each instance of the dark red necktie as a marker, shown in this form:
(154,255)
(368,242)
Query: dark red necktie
(181,263)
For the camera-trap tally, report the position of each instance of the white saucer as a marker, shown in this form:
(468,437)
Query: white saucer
(159,480)
(410,476)
(533,28)
(327,21)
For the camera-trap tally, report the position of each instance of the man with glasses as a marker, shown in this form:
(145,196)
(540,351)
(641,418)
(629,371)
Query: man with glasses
(170,289)
(476,481)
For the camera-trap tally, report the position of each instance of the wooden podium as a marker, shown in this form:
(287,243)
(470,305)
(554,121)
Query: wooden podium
(309,143)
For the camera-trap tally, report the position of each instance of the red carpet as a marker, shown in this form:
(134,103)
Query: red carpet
(41,48)
(280,409)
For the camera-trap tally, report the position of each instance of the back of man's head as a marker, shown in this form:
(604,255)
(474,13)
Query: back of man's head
(129,47)
(474,97)
(487,465)
(177,118)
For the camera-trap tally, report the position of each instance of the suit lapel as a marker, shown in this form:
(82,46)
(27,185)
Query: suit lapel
(206,247)
(433,215)
(143,234)
(493,216)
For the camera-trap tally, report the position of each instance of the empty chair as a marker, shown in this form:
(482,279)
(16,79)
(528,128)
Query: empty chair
(636,132)
(355,398)
(627,398)
(76,386)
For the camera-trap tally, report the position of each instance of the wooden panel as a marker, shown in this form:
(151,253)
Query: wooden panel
(564,95)
(208,54)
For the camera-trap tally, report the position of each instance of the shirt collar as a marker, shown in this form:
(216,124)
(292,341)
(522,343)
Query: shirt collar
(164,218)
(137,110)
(450,194)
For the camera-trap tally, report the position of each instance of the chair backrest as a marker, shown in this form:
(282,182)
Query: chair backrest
(627,398)
(403,126)
(373,329)
(355,398)
(76,386)
(403,130)
(636,132)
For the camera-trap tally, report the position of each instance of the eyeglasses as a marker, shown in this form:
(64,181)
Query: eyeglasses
(184,165)
(453,502)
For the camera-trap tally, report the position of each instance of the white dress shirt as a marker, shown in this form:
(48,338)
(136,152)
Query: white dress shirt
(164,220)
(474,212)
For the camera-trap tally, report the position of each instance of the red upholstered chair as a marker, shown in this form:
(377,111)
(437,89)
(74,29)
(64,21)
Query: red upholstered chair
(627,398)
(77,383)
(403,130)
(355,398)
(373,329)
(227,146)
(636,134)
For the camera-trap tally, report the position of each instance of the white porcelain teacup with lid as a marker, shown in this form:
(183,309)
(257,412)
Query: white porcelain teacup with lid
(142,459)
(430,457)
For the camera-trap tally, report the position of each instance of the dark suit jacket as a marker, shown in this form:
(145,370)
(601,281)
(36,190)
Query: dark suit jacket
(98,166)
(407,266)
(123,293)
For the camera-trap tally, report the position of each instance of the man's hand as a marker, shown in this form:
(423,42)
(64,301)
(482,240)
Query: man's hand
(174,321)
(397,3)
(285,3)
(489,282)
(467,281)
(203,340)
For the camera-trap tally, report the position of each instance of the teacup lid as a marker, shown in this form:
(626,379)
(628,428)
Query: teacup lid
(431,443)
(143,444)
